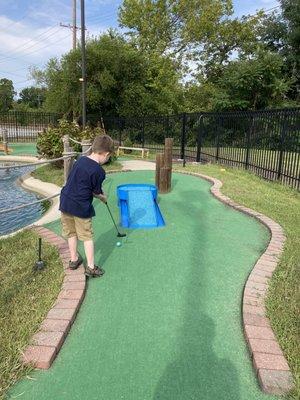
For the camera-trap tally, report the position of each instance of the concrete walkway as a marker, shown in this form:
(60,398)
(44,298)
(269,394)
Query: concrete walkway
(138,165)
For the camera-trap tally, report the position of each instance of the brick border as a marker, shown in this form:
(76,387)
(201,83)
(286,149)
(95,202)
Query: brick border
(270,365)
(46,343)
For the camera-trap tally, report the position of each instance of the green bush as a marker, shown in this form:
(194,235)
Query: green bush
(50,143)
(127,143)
(91,133)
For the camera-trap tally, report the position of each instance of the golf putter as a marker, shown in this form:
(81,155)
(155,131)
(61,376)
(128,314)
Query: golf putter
(119,234)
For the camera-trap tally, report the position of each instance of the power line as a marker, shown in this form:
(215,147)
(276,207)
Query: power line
(14,22)
(273,8)
(98,20)
(27,80)
(25,46)
(11,73)
(34,51)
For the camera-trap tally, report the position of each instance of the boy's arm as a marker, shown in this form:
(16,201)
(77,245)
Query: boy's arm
(101,196)
(97,181)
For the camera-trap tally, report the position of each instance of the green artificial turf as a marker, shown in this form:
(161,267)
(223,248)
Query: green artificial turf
(22,148)
(164,323)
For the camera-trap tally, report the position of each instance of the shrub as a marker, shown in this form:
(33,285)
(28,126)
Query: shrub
(127,143)
(49,143)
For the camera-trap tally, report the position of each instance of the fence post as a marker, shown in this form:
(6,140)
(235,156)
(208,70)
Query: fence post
(199,138)
(143,132)
(68,162)
(85,144)
(183,136)
(282,140)
(16,125)
(120,131)
(248,137)
(218,138)
(5,144)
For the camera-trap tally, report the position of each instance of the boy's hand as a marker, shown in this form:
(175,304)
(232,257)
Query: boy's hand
(103,198)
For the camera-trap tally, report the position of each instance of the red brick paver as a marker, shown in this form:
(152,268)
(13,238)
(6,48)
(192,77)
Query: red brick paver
(46,343)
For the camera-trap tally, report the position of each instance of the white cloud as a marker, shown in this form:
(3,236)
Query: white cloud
(24,45)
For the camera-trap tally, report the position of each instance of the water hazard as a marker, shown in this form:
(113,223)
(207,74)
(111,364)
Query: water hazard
(12,195)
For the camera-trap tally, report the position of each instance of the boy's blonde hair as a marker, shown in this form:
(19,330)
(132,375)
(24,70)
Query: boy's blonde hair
(103,144)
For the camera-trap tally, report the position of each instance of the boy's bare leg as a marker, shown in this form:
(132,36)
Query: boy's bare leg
(89,252)
(72,241)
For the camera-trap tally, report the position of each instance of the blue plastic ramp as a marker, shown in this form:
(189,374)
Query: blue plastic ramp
(138,206)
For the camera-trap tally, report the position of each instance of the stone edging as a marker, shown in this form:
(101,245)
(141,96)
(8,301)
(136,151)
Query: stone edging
(268,360)
(46,343)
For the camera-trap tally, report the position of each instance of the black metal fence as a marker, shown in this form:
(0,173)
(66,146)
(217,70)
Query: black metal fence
(24,126)
(264,142)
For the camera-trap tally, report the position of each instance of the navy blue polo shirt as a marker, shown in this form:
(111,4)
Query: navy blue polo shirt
(76,196)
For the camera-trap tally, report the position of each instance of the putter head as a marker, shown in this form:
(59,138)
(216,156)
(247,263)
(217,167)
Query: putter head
(39,265)
(121,234)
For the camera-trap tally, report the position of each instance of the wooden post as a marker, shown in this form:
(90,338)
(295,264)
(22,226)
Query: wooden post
(5,145)
(86,144)
(159,165)
(68,162)
(168,165)
(165,180)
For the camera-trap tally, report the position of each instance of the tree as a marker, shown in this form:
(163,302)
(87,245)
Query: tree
(32,96)
(121,80)
(291,14)
(171,26)
(244,84)
(6,94)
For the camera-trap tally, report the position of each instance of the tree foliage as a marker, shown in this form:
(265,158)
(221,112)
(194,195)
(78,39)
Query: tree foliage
(6,94)
(182,55)
(33,97)
(121,80)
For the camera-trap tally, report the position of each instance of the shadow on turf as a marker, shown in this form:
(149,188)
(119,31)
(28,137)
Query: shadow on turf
(197,373)
(106,243)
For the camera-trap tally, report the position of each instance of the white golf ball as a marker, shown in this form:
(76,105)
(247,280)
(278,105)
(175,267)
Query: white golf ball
(119,244)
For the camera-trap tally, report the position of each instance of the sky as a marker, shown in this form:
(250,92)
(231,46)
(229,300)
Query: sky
(30,31)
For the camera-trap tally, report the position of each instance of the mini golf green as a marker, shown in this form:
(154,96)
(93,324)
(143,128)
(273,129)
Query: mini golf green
(164,323)
(22,148)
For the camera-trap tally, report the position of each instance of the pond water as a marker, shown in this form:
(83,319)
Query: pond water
(12,195)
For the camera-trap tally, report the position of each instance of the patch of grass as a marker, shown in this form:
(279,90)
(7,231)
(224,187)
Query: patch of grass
(113,166)
(282,204)
(45,205)
(136,155)
(53,174)
(49,173)
(25,298)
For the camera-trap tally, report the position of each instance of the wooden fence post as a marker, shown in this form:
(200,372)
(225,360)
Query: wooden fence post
(5,144)
(163,176)
(159,165)
(68,162)
(86,144)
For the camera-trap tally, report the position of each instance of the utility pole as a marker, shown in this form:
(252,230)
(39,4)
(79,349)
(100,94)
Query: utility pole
(83,65)
(74,24)
(73,27)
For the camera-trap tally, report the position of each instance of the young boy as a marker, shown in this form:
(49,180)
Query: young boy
(84,183)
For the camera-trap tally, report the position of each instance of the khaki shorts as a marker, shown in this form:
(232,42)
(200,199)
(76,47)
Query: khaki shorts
(75,226)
